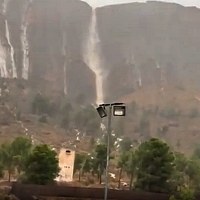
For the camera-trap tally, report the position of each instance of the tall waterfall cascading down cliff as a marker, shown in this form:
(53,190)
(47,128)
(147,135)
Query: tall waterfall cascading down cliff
(25,43)
(92,58)
(64,54)
(3,54)
(3,70)
(11,50)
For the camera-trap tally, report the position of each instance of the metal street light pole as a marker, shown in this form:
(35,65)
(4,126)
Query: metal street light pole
(108,151)
(119,109)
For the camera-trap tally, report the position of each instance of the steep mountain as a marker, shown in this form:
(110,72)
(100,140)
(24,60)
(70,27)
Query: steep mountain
(142,33)
(66,52)
(46,42)
(41,41)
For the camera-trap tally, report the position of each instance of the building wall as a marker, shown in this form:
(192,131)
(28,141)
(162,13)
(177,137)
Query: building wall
(83,193)
(66,163)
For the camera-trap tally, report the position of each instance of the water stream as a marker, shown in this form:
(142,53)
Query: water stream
(92,59)
(3,69)
(64,53)
(12,52)
(25,43)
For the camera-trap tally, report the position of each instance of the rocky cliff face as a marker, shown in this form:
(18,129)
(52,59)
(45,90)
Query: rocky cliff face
(41,41)
(152,35)
(139,43)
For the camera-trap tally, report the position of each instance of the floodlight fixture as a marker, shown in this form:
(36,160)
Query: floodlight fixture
(119,110)
(117,104)
(101,111)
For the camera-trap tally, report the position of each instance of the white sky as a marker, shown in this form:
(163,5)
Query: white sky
(107,2)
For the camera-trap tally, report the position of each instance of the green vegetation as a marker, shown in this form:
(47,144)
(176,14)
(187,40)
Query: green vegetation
(43,119)
(40,105)
(170,113)
(70,116)
(33,164)
(194,113)
(41,165)
(154,166)
(151,166)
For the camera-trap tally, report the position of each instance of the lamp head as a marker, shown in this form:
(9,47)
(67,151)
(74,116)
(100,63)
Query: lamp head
(101,111)
(119,110)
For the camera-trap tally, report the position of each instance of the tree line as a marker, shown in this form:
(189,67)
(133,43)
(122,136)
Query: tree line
(28,163)
(151,166)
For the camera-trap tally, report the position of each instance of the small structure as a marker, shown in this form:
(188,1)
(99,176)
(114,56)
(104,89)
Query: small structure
(66,163)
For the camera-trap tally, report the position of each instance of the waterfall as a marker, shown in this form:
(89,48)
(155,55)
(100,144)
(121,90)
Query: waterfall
(92,59)
(14,71)
(140,82)
(161,71)
(25,43)
(3,70)
(64,53)
(137,70)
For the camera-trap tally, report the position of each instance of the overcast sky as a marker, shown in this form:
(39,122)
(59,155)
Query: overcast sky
(106,2)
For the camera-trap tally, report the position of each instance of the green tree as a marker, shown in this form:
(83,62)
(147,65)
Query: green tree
(131,166)
(1,170)
(193,173)
(41,166)
(187,172)
(154,166)
(7,158)
(187,194)
(78,164)
(21,147)
(178,178)
(101,155)
(40,105)
(86,165)
(196,153)
(13,155)
(122,164)
(125,144)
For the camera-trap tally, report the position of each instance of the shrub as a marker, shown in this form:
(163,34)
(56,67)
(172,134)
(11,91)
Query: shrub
(43,119)
(65,123)
(41,105)
(187,194)
(18,116)
(194,113)
(170,113)
(144,125)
